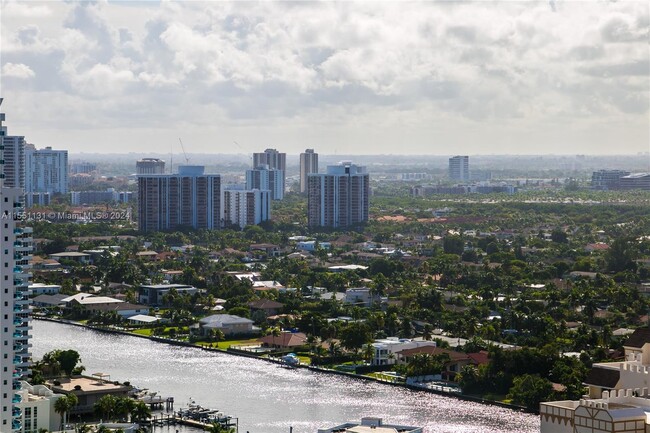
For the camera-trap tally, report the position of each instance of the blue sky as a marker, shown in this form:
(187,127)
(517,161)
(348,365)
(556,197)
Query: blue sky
(368,77)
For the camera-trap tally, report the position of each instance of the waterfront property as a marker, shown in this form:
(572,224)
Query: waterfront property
(226,323)
(88,390)
(370,425)
(387,350)
(153,294)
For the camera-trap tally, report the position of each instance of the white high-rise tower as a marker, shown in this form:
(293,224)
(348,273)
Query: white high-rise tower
(15,317)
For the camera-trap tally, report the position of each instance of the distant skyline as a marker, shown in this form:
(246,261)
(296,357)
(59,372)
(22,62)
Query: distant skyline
(438,77)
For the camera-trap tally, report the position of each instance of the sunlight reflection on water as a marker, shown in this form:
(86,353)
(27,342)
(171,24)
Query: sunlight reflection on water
(266,397)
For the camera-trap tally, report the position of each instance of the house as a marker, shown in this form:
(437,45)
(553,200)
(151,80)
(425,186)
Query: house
(153,294)
(48,301)
(271,250)
(37,408)
(44,289)
(88,390)
(457,360)
(123,309)
(343,268)
(269,307)
(313,245)
(387,349)
(82,258)
(148,256)
(363,297)
(286,340)
(227,323)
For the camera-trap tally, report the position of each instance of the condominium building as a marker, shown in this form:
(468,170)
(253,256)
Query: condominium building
(265,178)
(94,197)
(13,155)
(15,249)
(46,170)
(308,165)
(338,198)
(459,168)
(189,198)
(82,167)
(150,166)
(244,207)
(607,179)
(272,158)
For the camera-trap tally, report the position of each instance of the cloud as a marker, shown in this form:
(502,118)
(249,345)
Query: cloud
(16,9)
(17,70)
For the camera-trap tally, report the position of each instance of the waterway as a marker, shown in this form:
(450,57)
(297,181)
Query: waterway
(265,397)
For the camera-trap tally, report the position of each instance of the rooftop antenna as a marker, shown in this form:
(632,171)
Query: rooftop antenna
(171,158)
(187,160)
(249,155)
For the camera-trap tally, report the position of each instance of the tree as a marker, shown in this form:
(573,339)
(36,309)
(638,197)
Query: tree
(106,406)
(620,256)
(355,335)
(529,390)
(63,405)
(140,412)
(68,360)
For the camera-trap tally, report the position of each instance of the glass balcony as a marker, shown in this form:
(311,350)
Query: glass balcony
(18,231)
(18,270)
(16,412)
(16,386)
(19,335)
(16,399)
(16,425)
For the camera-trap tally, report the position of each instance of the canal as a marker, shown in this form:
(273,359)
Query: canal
(265,397)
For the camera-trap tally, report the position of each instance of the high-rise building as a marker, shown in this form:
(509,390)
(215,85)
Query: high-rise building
(82,167)
(15,249)
(308,165)
(189,198)
(275,160)
(338,198)
(150,166)
(459,168)
(607,179)
(46,170)
(244,207)
(13,155)
(272,158)
(264,178)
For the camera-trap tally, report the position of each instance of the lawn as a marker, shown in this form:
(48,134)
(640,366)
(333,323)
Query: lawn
(224,345)
(145,332)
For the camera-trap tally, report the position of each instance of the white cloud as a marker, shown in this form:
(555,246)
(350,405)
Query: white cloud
(344,64)
(17,70)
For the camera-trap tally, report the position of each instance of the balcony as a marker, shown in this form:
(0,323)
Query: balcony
(16,386)
(27,230)
(18,270)
(20,335)
(16,399)
(16,412)
(16,425)
(18,231)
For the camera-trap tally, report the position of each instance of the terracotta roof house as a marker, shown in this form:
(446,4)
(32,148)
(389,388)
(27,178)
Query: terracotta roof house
(285,340)
(270,308)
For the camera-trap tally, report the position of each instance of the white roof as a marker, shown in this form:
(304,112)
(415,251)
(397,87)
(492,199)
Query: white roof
(76,297)
(98,300)
(348,267)
(143,318)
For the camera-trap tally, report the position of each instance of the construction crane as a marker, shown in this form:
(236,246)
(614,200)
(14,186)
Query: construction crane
(187,160)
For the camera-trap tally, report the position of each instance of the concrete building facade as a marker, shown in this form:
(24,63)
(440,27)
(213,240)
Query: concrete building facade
(263,177)
(244,207)
(189,198)
(340,197)
(308,165)
(15,316)
(459,168)
(150,166)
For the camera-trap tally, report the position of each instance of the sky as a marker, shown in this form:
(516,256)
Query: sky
(387,77)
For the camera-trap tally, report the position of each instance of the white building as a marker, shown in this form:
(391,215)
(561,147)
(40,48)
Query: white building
(37,407)
(617,400)
(44,289)
(312,245)
(362,296)
(15,253)
(265,178)
(370,425)
(338,198)
(46,170)
(386,349)
(244,207)
(308,165)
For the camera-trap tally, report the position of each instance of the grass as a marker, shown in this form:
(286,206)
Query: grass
(224,345)
(145,332)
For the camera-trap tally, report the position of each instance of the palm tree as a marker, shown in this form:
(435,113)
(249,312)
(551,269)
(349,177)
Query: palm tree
(82,428)
(63,406)
(218,428)
(140,412)
(106,406)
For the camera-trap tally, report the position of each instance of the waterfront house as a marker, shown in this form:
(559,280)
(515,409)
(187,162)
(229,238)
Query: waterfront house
(227,323)
(88,390)
(286,340)
(387,349)
(456,360)
(123,309)
(370,425)
(44,289)
(49,301)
